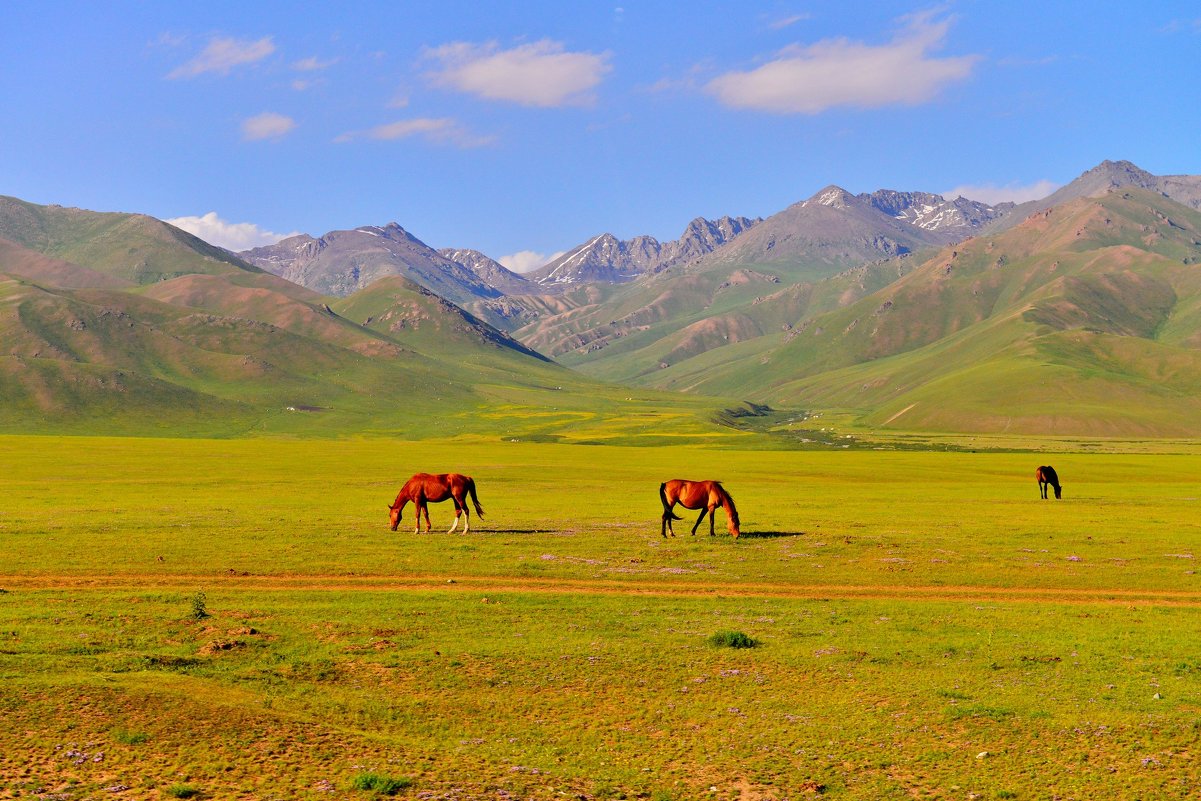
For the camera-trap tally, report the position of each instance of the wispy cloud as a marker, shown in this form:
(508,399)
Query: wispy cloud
(267,125)
(787,22)
(540,74)
(222,55)
(438,130)
(809,79)
(1183,26)
(400,99)
(231,236)
(313,64)
(525,261)
(1012,193)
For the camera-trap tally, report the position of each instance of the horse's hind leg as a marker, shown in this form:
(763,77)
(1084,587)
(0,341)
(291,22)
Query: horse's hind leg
(667,522)
(461,508)
(704,511)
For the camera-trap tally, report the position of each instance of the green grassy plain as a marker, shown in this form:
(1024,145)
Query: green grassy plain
(926,626)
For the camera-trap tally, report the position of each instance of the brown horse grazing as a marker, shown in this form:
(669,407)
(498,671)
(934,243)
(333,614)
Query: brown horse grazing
(424,488)
(1045,476)
(703,495)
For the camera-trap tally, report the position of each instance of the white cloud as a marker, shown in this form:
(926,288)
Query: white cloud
(267,125)
(538,74)
(525,261)
(231,236)
(438,130)
(222,55)
(808,79)
(993,194)
(312,64)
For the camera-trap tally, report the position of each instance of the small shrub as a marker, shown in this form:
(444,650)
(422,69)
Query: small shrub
(731,639)
(183,791)
(199,606)
(379,783)
(127,737)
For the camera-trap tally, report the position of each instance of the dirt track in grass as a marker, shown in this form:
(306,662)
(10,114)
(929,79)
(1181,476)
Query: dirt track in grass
(576,586)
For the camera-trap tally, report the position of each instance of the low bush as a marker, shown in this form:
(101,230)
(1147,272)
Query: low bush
(731,639)
(378,783)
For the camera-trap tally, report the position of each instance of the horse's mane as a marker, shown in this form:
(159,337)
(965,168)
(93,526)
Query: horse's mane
(731,509)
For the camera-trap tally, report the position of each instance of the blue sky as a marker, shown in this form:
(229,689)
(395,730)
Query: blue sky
(524,131)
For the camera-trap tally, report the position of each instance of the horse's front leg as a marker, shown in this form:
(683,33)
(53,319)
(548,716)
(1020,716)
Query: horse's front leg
(704,511)
(425,508)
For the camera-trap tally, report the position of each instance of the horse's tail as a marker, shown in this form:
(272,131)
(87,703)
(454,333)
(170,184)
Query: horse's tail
(667,512)
(479,510)
(727,503)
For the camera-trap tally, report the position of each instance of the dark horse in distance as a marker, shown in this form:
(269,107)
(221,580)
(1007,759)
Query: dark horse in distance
(1046,477)
(424,488)
(703,495)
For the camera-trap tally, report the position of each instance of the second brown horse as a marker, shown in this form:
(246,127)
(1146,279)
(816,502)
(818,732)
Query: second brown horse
(424,488)
(703,495)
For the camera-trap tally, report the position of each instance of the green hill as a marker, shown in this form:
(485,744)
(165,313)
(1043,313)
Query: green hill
(1083,320)
(411,315)
(191,341)
(134,247)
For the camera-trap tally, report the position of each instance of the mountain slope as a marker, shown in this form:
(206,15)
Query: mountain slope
(132,247)
(830,232)
(492,273)
(410,314)
(343,262)
(231,350)
(1085,319)
(21,262)
(1103,179)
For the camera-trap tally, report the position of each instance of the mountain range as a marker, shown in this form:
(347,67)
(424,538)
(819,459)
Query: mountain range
(1078,315)
(120,323)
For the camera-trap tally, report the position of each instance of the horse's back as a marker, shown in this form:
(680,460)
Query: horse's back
(690,493)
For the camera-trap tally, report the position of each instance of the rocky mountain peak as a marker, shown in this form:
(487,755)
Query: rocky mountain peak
(491,272)
(833,196)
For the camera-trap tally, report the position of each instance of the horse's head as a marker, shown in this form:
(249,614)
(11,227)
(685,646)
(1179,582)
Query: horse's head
(394,514)
(1058,490)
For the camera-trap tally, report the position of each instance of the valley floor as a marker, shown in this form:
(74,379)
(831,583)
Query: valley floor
(233,619)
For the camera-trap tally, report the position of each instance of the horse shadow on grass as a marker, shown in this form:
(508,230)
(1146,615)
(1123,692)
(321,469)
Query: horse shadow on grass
(770,535)
(520,530)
